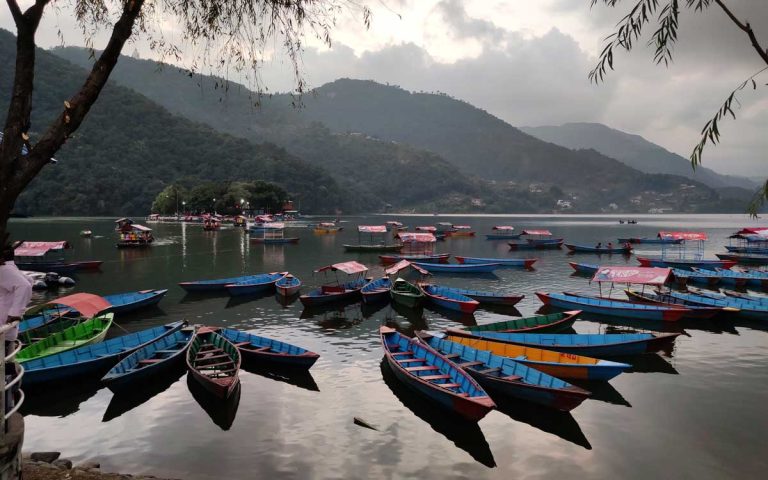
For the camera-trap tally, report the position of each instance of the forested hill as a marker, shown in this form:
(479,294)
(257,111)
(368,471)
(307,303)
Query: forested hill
(129,148)
(632,150)
(415,150)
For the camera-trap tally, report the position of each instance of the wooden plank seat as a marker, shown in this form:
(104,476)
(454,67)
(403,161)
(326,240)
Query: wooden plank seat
(215,366)
(425,368)
(512,378)
(242,344)
(209,346)
(258,349)
(490,370)
(470,364)
(435,377)
(412,360)
(448,385)
(397,354)
(150,361)
(452,355)
(216,373)
(211,357)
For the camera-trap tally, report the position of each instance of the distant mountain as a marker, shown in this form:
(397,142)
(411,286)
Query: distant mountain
(632,150)
(423,151)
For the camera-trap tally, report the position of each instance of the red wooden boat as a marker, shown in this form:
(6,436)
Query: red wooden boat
(88,264)
(214,362)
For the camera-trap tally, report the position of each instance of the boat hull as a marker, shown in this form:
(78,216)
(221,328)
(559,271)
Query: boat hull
(437,258)
(603,250)
(506,262)
(601,307)
(457,302)
(373,248)
(586,268)
(219,387)
(684,264)
(458,268)
(148,301)
(252,348)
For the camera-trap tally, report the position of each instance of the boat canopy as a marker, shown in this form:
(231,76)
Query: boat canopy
(754,233)
(462,227)
(545,233)
(273,226)
(426,228)
(327,224)
(140,228)
(445,224)
(349,268)
(394,223)
(413,237)
(695,236)
(263,218)
(637,275)
(372,229)
(39,249)
(87,304)
(506,228)
(124,220)
(402,265)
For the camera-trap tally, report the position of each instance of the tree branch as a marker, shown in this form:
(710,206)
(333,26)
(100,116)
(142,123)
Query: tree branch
(747,29)
(13,6)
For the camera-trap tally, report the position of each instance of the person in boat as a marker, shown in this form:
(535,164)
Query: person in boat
(610,245)
(599,245)
(15,293)
(627,246)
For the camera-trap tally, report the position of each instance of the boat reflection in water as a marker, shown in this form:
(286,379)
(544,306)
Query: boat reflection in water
(464,434)
(603,392)
(286,302)
(335,317)
(141,393)
(466,319)
(293,376)
(222,412)
(561,424)
(648,364)
(60,400)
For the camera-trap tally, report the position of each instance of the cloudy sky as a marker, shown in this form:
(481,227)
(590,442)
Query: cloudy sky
(527,63)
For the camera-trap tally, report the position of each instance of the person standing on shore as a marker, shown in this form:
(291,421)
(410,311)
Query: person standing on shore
(15,293)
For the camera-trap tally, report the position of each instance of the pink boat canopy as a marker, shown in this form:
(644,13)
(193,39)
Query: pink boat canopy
(372,229)
(327,224)
(545,233)
(349,268)
(273,226)
(694,236)
(462,227)
(402,265)
(86,304)
(140,228)
(761,232)
(394,223)
(637,275)
(39,249)
(263,218)
(426,228)
(412,237)
(506,228)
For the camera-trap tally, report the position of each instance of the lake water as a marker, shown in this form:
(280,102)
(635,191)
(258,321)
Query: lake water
(698,411)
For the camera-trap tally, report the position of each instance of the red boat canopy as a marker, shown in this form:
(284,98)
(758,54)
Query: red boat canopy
(638,275)
(696,236)
(38,249)
(394,223)
(263,218)
(545,233)
(409,237)
(752,232)
(402,265)
(507,228)
(349,268)
(372,229)
(427,228)
(86,304)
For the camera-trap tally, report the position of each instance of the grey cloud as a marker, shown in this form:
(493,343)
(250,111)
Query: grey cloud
(464,26)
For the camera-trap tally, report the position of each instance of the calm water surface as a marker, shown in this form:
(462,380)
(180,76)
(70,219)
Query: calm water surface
(698,411)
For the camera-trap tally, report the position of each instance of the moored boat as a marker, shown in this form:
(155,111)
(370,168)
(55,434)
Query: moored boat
(406,294)
(693,311)
(683,277)
(78,335)
(445,298)
(599,250)
(130,301)
(746,259)
(431,374)
(728,277)
(458,268)
(586,268)
(503,376)
(325,228)
(684,264)
(288,286)
(255,285)
(651,241)
(373,238)
(759,299)
(214,362)
(504,233)
(616,308)
(506,262)
(740,306)
(482,297)
(219,284)
(423,258)
(335,292)
(263,350)
(376,290)
(554,322)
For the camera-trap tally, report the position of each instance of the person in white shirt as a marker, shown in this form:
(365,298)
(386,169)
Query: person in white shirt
(15,293)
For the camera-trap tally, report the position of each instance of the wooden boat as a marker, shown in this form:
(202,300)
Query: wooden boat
(745,308)
(503,376)
(376,290)
(79,335)
(661,299)
(504,233)
(87,264)
(684,277)
(55,267)
(270,233)
(468,268)
(445,298)
(741,249)
(373,238)
(734,258)
(326,228)
(214,362)
(616,308)
(586,268)
(255,285)
(554,322)
(219,284)
(133,235)
(534,244)
(76,307)
(263,350)
(460,231)
(86,233)
(759,299)
(652,241)
(334,293)
(597,345)
(424,258)
(729,277)
(130,301)
(485,297)
(505,262)
(211,224)
(391,247)
(589,249)
(91,360)
(560,365)
(406,294)
(429,373)
(288,286)
(146,363)
(684,264)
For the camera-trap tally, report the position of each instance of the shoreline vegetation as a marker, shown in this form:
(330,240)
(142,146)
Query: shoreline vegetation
(48,466)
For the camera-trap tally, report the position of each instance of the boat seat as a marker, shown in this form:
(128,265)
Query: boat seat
(512,378)
(395,354)
(149,361)
(462,394)
(211,357)
(258,349)
(242,344)
(435,377)
(208,346)
(214,366)
(412,360)
(228,372)
(209,352)
(166,351)
(425,368)
(490,370)
(448,385)
(470,364)
(452,355)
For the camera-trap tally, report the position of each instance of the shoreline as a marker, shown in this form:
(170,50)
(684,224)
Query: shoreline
(49,466)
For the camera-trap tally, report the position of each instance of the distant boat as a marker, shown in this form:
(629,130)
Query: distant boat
(586,268)
(458,268)
(507,262)
(651,241)
(505,233)
(288,286)
(685,264)
(255,285)
(599,250)
(219,284)
(424,258)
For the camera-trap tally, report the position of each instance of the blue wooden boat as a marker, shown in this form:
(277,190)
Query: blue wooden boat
(592,345)
(506,262)
(460,268)
(91,360)
(447,298)
(684,264)
(429,373)
(219,285)
(744,308)
(589,249)
(759,299)
(730,277)
(265,350)
(288,286)
(255,285)
(586,268)
(537,244)
(652,241)
(376,290)
(554,322)
(416,257)
(617,308)
(694,311)
(755,278)
(495,298)
(746,259)
(503,376)
(130,301)
(153,359)
(684,277)
(739,249)
(334,293)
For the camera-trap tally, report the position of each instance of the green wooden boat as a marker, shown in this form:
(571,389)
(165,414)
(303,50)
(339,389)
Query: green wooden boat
(406,294)
(85,333)
(28,337)
(555,322)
